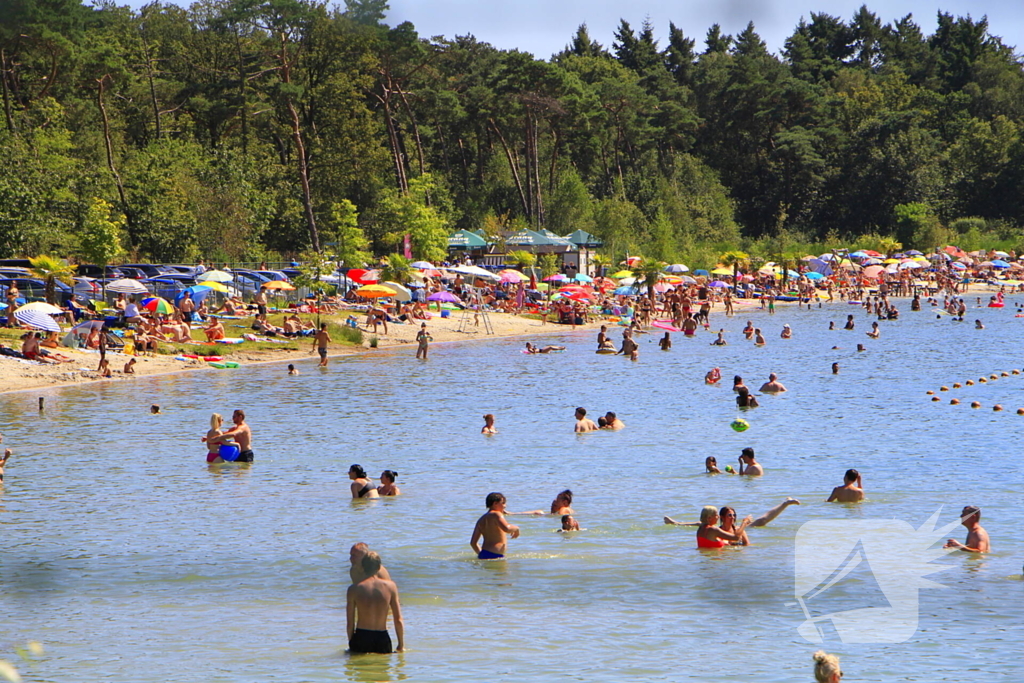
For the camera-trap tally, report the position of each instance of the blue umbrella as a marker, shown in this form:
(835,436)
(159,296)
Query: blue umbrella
(198,293)
(814,276)
(624,291)
(702,272)
(858,254)
(913,252)
(999,263)
(719,284)
(677,268)
(580,277)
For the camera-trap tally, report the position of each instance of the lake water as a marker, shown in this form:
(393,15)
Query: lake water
(132,560)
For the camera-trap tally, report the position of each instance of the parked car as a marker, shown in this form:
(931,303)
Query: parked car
(35,290)
(148,269)
(133,273)
(15,272)
(273,275)
(184,270)
(167,288)
(89,270)
(88,288)
(249,281)
(292,273)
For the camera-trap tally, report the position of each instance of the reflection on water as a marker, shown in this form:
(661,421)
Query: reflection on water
(126,554)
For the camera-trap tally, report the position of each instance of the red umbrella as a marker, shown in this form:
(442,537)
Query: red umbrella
(362,276)
(604,283)
(872,253)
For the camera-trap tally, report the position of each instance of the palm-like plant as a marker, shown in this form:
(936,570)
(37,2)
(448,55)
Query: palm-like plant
(649,271)
(737,260)
(600,263)
(50,270)
(521,258)
(889,246)
(396,269)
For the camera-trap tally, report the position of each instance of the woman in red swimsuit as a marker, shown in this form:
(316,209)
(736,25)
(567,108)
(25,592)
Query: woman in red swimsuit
(711,536)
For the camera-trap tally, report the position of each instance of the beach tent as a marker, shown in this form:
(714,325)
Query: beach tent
(464,239)
(582,238)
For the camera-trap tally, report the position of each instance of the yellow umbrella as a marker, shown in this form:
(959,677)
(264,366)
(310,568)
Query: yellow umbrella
(722,271)
(623,273)
(891,260)
(278,284)
(214,285)
(42,307)
(375,291)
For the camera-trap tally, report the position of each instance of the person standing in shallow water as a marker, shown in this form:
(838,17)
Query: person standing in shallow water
(493,529)
(241,434)
(366,613)
(423,338)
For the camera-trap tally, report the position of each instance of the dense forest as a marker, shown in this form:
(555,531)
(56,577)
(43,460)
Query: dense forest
(244,129)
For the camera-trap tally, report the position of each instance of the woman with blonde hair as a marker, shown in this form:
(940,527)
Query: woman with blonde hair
(711,536)
(213,450)
(826,667)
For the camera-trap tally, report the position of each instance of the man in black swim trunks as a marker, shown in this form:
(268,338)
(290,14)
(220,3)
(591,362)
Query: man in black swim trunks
(368,604)
(240,434)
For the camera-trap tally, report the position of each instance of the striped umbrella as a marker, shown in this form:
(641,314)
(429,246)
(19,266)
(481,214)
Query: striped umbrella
(36,319)
(127,286)
(158,305)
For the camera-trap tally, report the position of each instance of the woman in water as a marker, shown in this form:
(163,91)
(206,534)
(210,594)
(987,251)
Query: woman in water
(489,427)
(826,668)
(711,536)
(748,331)
(361,486)
(387,483)
(744,399)
(737,384)
(561,505)
(213,450)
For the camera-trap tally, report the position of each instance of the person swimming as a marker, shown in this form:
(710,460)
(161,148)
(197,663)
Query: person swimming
(713,376)
(530,348)
(387,484)
(361,486)
(710,536)
(569,523)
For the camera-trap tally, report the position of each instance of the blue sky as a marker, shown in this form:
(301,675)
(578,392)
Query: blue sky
(544,27)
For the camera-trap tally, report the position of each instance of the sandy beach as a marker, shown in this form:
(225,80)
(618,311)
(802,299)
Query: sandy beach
(21,375)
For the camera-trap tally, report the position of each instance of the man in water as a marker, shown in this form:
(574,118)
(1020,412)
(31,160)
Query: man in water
(3,462)
(628,345)
(320,341)
(603,342)
(584,423)
(852,490)
(368,604)
(355,555)
(569,523)
(240,434)
(494,529)
(753,468)
(773,385)
(835,368)
(612,422)
(977,537)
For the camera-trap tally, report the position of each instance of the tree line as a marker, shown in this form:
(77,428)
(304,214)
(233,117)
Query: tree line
(244,129)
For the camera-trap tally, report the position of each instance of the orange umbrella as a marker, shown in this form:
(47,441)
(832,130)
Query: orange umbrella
(375,291)
(278,284)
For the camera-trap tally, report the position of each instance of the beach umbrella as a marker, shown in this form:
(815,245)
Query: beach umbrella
(704,273)
(872,261)
(90,325)
(358,275)
(872,253)
(580,277)
(604,283)
(913,252)
(198,293)
(873,271)
(279,285)
(629,281)
(444,297)
(662,287)
(672,279)
(910,265)
(623,273)
(421,265)
(42,307)
(720,271)
(687,280)
(128,286)
(37,319)
(476,271)
(214,276)
(677,268)
(718,284)
(624,291)
(402,293)
(859,254)
(631,261)
(1001,254)
(958,266)
(889,260)
(814,276)
(375,291)
(999,263)
(557,277)
(158,305)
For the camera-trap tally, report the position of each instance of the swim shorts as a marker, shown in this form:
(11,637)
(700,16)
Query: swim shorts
(488,555)
(365,640)
(322,352)
(244,456)
(261,309)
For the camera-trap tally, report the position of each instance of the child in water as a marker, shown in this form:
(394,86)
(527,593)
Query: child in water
(570,524)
